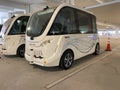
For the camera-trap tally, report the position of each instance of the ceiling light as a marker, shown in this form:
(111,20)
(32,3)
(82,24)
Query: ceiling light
(106,25)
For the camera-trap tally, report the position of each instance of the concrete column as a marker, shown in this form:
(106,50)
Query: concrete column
(27,8)
(117,32)
(10,14)
(72,2)
(67,1)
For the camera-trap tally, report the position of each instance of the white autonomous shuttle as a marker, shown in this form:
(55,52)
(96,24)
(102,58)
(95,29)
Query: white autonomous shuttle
(13,35)
(58,36)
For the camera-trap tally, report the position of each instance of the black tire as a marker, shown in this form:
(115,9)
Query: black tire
(66,59)
(21,51)
(97,49)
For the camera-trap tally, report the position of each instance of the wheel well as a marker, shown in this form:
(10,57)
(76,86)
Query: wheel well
(23,45)
(62,57)
(97,43)
(96,52)
(67,50)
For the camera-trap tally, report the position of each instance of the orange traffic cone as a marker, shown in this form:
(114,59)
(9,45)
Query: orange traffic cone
(108,48)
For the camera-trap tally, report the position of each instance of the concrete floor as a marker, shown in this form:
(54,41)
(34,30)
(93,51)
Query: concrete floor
(100,72)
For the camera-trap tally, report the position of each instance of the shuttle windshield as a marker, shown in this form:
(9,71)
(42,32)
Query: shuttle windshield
(38,22)
(5,27)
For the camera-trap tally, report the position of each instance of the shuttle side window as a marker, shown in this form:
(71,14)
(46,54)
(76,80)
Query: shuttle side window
(94,24)
(19,26)
(84,22)
(64,23)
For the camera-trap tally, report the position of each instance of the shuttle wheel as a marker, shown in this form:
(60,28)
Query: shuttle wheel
(21,51)
(67,59)
(97,49)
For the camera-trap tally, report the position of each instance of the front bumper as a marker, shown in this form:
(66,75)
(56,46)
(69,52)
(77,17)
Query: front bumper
(52,61)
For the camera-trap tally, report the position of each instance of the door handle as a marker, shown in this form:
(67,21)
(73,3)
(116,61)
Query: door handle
(67,36)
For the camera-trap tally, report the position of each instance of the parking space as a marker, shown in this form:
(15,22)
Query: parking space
(88,73)
(102,75)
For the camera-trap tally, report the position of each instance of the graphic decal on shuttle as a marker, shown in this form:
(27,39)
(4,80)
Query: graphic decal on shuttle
(82,44)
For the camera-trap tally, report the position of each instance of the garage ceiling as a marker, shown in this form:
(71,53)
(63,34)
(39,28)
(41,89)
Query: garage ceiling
(106,10)
(108,13)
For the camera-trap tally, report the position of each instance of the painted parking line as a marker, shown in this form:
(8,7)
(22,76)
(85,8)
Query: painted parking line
(76,71)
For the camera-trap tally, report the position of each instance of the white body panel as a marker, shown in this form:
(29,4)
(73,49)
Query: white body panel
(47,50)
(12,42)
(52,48)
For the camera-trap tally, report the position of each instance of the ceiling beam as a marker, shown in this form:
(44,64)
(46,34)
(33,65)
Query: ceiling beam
(12,4)
(102,4)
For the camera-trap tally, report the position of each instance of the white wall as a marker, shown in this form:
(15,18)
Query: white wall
(3,17)
(10,8)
